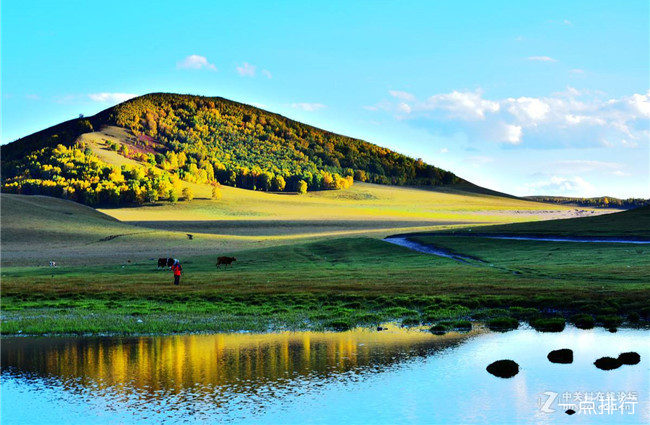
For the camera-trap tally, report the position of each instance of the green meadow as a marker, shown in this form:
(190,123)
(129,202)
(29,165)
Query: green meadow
(339,283)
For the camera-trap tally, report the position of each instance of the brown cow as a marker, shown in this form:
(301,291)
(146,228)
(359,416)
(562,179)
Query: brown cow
(226,261)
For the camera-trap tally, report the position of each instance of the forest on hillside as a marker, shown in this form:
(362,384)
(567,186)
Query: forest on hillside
(201,140)
(243,143)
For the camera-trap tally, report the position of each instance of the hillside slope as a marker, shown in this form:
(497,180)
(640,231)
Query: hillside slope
(199,140)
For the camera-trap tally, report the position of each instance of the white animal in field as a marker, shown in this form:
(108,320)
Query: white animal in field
(52,263)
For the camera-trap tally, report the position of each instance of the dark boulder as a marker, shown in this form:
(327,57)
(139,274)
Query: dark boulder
(563,356)
(607,363)
(503,368)
(630,358)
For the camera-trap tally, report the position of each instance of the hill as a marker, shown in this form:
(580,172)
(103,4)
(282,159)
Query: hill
(198,140)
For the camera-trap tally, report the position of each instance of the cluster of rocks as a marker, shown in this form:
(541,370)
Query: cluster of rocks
(509,368)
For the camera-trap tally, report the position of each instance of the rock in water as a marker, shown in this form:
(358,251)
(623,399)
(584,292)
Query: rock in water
(607,363)
(564,356)
(630,358)
(503,368)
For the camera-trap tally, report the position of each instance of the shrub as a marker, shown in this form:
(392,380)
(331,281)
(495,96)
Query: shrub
(610,321)
(337,325)
(188,194)
(438,329)
(634,317)
(524,312)
(410,322)
(550,324)
(463,325)
(302,187)
(503,324)
(583,321)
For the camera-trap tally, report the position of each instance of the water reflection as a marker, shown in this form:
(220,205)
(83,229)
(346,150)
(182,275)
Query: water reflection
(360,376)
(170,372)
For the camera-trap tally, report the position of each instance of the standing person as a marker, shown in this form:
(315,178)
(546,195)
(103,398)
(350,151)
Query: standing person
(177,269)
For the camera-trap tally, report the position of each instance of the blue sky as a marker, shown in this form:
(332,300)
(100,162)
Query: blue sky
(524,97)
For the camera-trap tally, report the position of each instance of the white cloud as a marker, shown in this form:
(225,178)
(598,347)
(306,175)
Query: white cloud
(577,71)
(573,118)
(404,107)
(573,186)
(32,96)
(401,95)
(111,97)
(541,58)
(461,105)
(246,70)
(621,173)
(528,109)
(309,107)
(511,134)
(566,22)
(627,144)
(444,150)
(259,105)
(195,62)
(267,73)
(640,103)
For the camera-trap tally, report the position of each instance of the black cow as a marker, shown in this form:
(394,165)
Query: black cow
(165,262)
(226,261)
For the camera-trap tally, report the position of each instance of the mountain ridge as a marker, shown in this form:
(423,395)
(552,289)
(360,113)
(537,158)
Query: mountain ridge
(208,140)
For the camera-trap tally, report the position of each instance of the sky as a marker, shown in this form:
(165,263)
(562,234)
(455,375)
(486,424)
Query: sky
(524,97)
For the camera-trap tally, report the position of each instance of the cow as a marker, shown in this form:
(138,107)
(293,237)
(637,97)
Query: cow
(52,263)
(165,262)
(226,261)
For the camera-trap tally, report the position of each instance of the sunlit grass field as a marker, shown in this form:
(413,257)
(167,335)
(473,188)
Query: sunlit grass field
(322,271)
(334,284)
(363,201)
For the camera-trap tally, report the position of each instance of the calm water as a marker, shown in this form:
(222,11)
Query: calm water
(359,376)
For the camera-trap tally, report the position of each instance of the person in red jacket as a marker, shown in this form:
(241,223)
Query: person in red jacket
(177,269)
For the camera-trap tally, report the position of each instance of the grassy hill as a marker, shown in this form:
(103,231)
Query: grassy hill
(193,139)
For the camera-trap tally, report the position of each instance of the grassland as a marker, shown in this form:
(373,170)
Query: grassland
(363,201)
(321,272)
(335,284)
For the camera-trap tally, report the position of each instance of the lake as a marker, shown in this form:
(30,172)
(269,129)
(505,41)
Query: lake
(360,376)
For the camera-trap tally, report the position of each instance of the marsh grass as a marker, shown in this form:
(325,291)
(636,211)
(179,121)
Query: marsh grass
(332,284)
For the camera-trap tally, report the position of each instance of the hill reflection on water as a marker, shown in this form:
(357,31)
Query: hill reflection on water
(213,368)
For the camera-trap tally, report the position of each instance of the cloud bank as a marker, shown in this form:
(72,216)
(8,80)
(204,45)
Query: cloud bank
(573,118)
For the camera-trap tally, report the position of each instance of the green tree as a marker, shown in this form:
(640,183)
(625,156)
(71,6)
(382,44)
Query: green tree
(302,187)
(188,194)
(279,183)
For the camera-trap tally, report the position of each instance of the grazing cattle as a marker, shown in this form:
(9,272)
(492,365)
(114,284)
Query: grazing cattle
(52,263)
(166,262)
(190,236)
(226,261)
